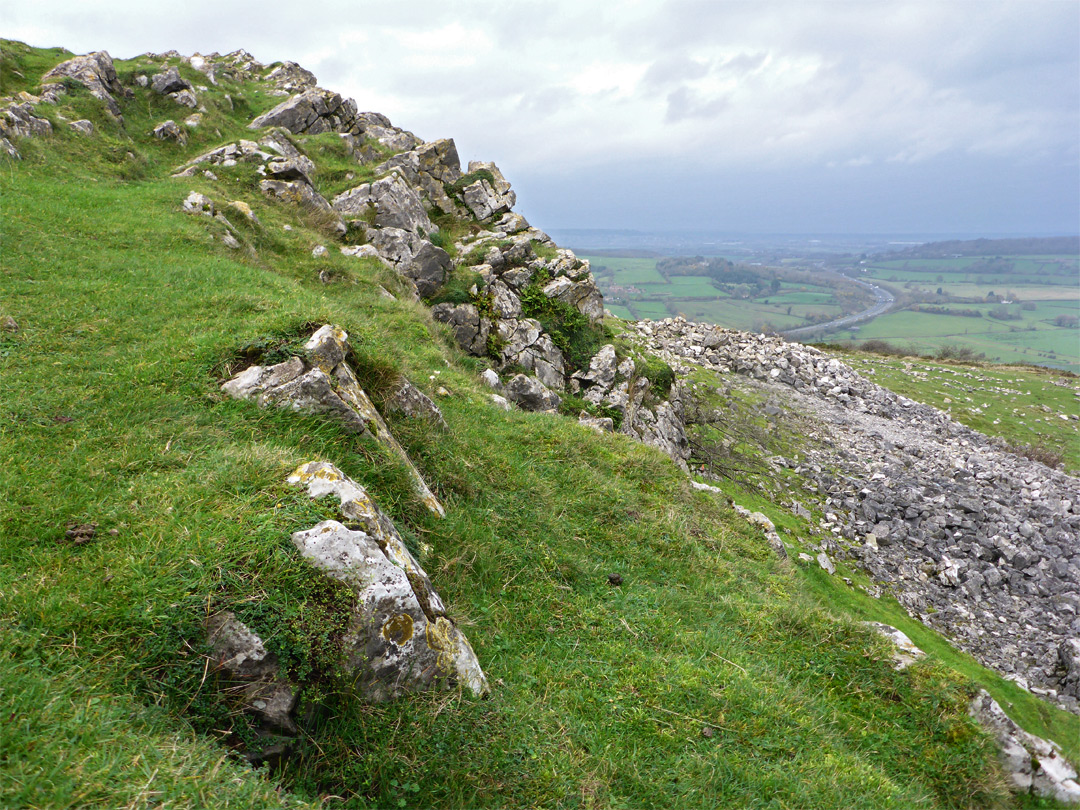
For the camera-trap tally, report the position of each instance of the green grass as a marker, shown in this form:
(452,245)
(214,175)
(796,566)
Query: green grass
(715,676)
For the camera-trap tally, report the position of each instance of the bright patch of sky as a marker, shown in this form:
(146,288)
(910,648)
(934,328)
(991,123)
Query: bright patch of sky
(683,103)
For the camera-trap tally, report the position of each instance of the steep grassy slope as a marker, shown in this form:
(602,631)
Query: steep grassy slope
(713,676)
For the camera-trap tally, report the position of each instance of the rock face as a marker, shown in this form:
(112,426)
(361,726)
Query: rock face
(19,121)
(400,639)
(1033,764)
(393,204)
(94,71)
(972,540)
(315,111)
(324,383)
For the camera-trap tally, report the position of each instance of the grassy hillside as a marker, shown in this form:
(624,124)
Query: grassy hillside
(714,676)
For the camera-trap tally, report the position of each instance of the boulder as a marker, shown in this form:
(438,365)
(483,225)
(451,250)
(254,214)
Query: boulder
(94,71)
(290,77)
(525,344)
(240,655)
(82,126)
(312,111)
(395,204)
(303,194)
(407,399)
(19,121)
(169,131)
(428,269)
(169,81)
(601,424)
(601,372)
(529,394)
(400,638)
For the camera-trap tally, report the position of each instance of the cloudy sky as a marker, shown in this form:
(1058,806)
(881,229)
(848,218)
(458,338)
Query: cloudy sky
(834,117)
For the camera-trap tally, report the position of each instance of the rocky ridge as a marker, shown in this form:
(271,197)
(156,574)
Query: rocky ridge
(974,541)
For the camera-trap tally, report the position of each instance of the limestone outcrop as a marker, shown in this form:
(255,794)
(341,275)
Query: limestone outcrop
(94,71)
(324,383)
(400,638)
(1034,765)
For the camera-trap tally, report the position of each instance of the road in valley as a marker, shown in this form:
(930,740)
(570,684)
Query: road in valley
(883,299)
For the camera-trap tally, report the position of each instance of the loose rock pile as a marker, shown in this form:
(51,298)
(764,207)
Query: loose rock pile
(974,541)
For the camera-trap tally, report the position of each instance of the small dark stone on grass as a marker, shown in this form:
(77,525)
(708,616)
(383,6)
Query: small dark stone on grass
(614,579)
(80,533)
(9,324)
(706,732)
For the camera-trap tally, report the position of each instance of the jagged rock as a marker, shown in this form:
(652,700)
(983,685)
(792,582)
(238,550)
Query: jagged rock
(600,374)
(601,424)
(411,401)
(169,131)
(486,200)
(185,98)
(660,426)
(525,344)
(1034,765)
(395,205)
(312,111)
(491,380)
(505,303)
(1069,655)
(501,402)
(240,655)
(470,330)
(584,296)
(906,652)
(530,394)
(427,269)
(94,71)
(326,384)
(400,638)
(197,203)
(302,194)
(364,252)
(298,167)
(82,126)
(291,77)
(169,81)
(396,246)
(19,121)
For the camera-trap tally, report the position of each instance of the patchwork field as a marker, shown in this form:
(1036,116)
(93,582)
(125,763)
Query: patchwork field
(634,289)
(1026,315)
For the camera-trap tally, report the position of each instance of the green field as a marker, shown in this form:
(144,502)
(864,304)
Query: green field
(634,289)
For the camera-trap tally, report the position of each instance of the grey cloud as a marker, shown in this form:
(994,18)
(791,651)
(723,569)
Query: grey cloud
(685,103)
(673,69)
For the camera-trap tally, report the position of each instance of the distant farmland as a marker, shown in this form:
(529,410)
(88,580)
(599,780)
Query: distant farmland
(1015,308)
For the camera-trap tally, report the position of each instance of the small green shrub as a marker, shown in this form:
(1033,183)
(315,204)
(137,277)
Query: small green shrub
(458,186)
(659,373)
(570,330)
